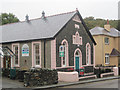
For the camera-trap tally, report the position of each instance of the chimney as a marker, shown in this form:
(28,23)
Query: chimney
(107,26)
(43,14)
(27,18)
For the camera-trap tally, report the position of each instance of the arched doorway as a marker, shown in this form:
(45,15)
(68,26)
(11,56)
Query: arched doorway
(77,59)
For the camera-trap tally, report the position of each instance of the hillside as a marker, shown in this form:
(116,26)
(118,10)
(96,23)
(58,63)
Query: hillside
(91,22)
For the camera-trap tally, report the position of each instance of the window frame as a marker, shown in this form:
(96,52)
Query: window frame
(106,43)
(66,52)
(13,49)
(77,39)
(107,58)
(88,53)
(33,54)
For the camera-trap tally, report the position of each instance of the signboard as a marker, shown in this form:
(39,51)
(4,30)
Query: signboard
(61,51)
(61,54)
(25,50)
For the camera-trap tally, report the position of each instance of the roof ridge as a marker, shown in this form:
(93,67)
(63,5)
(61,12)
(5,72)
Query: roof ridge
(61,13)
(39,18)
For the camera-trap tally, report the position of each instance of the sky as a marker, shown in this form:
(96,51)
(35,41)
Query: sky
(105,9)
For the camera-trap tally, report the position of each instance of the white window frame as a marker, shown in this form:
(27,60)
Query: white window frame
(13,49)
(33,54)
(88,54)
(107,58)
(66,57)
(77,39)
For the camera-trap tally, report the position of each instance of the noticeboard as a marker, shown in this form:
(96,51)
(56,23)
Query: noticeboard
(61,51)
(25,50)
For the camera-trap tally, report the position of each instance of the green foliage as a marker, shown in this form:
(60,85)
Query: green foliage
(118,27)
(91,22)
(8,18)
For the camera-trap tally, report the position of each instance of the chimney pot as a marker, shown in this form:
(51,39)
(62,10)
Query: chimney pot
(27,18)
(43,14)
(107,21)
(107,26)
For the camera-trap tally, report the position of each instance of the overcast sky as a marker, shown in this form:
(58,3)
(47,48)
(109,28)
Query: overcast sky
(107,9)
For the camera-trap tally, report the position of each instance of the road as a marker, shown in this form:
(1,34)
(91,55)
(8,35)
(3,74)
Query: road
(7,83)
(102,84)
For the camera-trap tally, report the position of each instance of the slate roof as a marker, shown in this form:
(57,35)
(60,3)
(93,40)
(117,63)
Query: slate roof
(41,28)
(115,52)
(101,31)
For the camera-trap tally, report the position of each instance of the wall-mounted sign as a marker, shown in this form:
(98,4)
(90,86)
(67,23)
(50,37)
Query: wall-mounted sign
(61,54)
(61,51)
(25,50)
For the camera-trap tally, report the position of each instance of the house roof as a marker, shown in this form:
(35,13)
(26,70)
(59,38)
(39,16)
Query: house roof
(101,31)
(40,28)
(115,52)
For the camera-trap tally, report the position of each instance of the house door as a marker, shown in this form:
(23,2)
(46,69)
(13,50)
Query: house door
(6,62)
(77,59)
(77,63)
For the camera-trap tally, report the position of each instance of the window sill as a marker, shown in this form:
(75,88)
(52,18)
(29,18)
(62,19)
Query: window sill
(107,63)
(17,66)
(106,43)
(37,66)
(88,65)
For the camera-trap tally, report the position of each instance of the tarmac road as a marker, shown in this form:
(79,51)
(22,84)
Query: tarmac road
(101,84)
(114,83)
(8,83)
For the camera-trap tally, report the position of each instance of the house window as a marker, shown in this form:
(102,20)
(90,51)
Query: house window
(88,54)
(77,39)
(106,40)
(106,58)
(64,60)
(16,52)
(37,54)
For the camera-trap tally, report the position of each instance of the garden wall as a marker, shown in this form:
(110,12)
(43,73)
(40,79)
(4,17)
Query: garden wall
(39,77)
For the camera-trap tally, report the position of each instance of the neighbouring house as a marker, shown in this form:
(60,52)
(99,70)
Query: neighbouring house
(54,42)
(107,50)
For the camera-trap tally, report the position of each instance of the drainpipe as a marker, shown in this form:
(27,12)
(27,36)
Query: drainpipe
(103,50)
(44,54)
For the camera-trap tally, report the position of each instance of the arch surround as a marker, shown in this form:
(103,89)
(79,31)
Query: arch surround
(66,53)
(88,54)
(79,55)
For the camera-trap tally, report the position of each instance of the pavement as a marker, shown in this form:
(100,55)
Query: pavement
(7,83)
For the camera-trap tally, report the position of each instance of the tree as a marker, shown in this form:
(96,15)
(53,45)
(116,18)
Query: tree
(91,22)
(118,27)
(8,18)
(89,18)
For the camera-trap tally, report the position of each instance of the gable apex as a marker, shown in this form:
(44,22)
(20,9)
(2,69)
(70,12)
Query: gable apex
(76,18)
